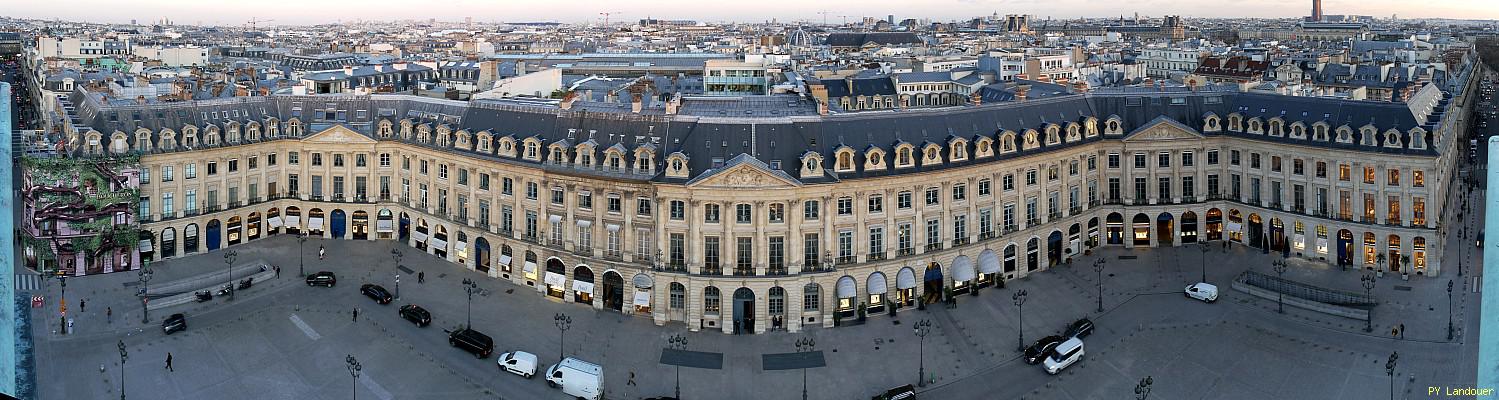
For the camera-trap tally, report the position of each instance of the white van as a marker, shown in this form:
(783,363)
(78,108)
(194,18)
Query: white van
(519,363)
(1066,354)
(579,378)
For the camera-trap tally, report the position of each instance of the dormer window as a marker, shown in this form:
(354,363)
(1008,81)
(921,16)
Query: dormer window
(533,150)
(931,155)
(1007,142)
(985,148)
(1319,132)
(874,160)
(845,161)
(1235,123)
(385,128)
(1392,138)
(1255,127)
(959,151)
(903,157)
(1052,136)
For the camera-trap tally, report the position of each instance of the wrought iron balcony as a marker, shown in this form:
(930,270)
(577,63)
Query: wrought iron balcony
(933,246)
(1032,221)
(876,256)
(744,271)
(905,251)
(960,241)
(986,235)
(777,271)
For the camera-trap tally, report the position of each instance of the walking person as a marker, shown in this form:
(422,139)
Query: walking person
(632,379)
(109,315)
(1402,331)
(169,362)
(278,271)
(82,304)
(421,276)
(321,252)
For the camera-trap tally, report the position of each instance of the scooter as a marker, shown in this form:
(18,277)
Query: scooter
(245,284)
(228,287)
(203,295)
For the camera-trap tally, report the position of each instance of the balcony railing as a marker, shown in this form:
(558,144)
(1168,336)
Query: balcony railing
(817,268)
(316,197)
(1008,229)
(905,251)
(744,271)
(711,270)
(1054,215)
(1094,202)
(1370,220)
(1032,221)
(677,267)
(933,246)
(877,256)
(777,271)
(847,259)
(986,235)
(1113,201)
(1075,210)
(1189,199)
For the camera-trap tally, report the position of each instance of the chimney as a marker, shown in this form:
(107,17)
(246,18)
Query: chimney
(399,66)
(976,98)
(673,104)
(635,103)
(349,70)
(1021,91)
(567,100)
(822,108)
(140,100)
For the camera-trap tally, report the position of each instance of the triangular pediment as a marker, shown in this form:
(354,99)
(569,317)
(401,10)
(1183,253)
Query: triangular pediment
(339,134)
(744,172)
(1163,128)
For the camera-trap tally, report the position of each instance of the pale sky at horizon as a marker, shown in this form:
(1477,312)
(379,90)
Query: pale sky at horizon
(303,12)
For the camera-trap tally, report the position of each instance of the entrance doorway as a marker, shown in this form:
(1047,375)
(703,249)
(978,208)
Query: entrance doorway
(744,311)
(614,291)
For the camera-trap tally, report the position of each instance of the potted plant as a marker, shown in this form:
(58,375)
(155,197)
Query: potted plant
(1379,259)
(1091,243)
(948,296)
(1405,260)
(921,302)
(1000,281)
(890,307)
(863,308)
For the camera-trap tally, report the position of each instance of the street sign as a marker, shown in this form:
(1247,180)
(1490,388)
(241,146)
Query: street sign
(36,301)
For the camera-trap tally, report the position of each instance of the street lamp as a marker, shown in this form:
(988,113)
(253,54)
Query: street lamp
(1280,269)
(1449,309)
(62,303)
(1142,389)
(1389,369)
(1204,247)
(123,355)
(395,254)
(1367,281)
(805,344)
(144,275)
(469,287)
(354,368)
(1098,267)
(827,261)
(229,256)
(301,239)
(679,342)
(563,322)
(922,327)
(1019,299)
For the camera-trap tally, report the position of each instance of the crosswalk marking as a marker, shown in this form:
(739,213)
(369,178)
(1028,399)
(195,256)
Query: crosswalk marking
(307,330)
(27,283)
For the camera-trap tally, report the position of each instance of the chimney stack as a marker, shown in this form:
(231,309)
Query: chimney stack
(1021,91)
(349,70)
(673,104)
(976,98)
(635,103)
(567,100)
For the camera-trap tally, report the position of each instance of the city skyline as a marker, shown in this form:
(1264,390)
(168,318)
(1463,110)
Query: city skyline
(837,11)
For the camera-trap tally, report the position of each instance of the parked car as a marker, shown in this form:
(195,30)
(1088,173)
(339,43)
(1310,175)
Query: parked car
(519,363)
(899,393)
(1080,328)
(322,278)
(416,314)
(1063,356)
(1038,350)
(1203,291)
(578,378)
(472,341)
(376,292)
(174,323)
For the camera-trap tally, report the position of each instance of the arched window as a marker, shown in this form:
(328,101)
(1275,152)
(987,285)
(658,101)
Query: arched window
(811,297)
(678,296)
(710,300)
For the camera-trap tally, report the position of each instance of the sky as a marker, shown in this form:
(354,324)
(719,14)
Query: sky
(299,12)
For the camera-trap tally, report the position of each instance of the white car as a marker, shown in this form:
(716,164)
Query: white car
(1203,291)
(519,363)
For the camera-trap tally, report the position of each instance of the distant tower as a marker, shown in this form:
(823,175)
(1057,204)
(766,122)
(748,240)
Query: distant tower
(1316,10)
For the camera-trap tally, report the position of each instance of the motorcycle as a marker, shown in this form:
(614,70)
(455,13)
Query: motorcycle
(203,295)
(228,287)
(246,283)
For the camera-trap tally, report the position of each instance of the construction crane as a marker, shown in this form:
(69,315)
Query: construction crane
(824,17)
(606,15)
(254,21)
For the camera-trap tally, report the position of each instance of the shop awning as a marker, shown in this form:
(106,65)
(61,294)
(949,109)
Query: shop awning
(962,269)
(315,223)
(436,243)
(293,221)
(385,225)
(145,245)
(876,284)
(583,287)
(419,236)
(459,247)
(1298,239)
(905,279)
(988,262)
(530,268)
(504,260)
(555,279)
(1321,244)
(275,222)
(585,223)
(1233,226)
(643,281)
(642,299)
(168,235)
(846,288)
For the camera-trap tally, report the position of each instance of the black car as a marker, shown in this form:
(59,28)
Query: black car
(1080,328)
(472,341)
(416,314)
(176,322)
(322,278)
(376,292)
(1038,351)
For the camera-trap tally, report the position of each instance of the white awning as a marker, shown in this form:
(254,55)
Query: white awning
(1233,226)
(459,247)
(419,236)
(275,222)
(846,288)
(293,221)
(168,235)
(585,223)
(385,225)
(642,299)
(876,284)
(530,268)
(1298,239)
(962,269)
(504,260)
(554,218)
(555,279)
(643,281)
(145,245)
(611,227)
(1322,245)
(905,279)
(315,223)
(438,243)
(583,287)
(988,262)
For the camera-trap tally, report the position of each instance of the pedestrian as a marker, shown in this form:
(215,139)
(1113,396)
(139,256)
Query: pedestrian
(82,304)
(632,379)
(356,314)
(1394,332)
(321,252)
(421,276)
(109,315)
(1402,331)
(278,270)
(169,361)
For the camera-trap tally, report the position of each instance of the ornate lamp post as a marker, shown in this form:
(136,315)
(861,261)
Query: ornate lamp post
(922,328)
(1280,269)
(563,322)
(679,342)
(354,368)
(1204,247)
(144,275)
(301,239)
(804,344)
(1389,369)
(62,303)
(229,256)
(1019,299)
(827,261)
(395,254)
(469,287)
(1142,389)
(1098,267)
(1449,309)
(1367,280)
(123,355)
